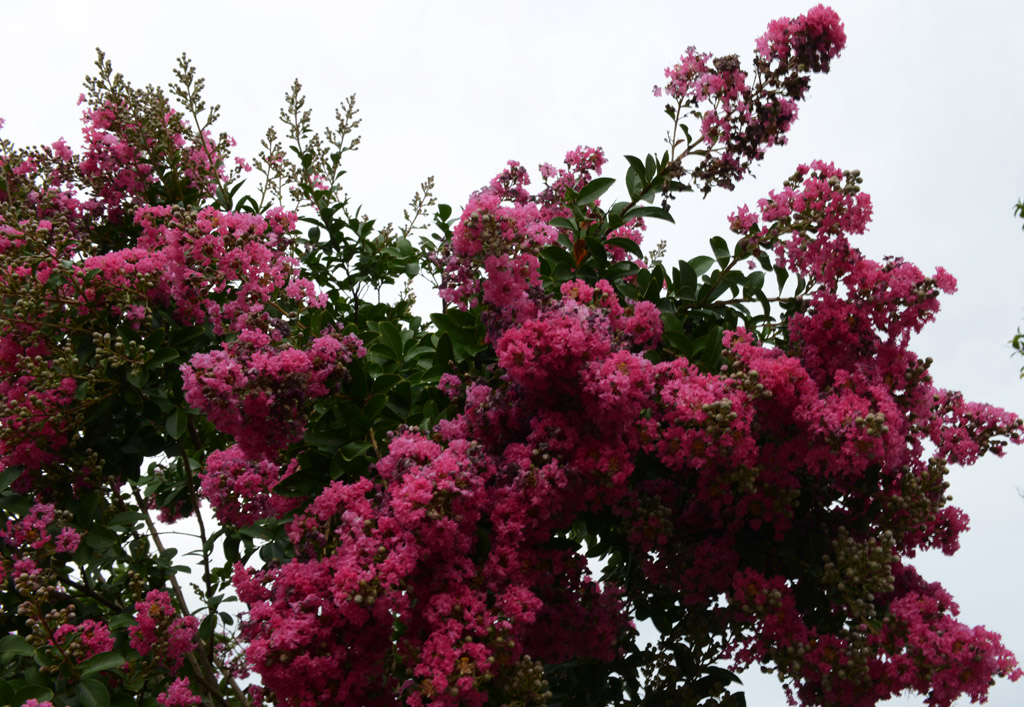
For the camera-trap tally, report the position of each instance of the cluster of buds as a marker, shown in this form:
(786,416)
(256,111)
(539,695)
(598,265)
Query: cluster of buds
(527,686)
(860,570)
(41,594)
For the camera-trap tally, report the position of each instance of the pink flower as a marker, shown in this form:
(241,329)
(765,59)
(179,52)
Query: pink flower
(159,630)
(179,695)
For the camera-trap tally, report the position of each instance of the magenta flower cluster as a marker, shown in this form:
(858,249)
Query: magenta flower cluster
(260,395)
(772,498)
(159,632)
(451,541)
(740,115)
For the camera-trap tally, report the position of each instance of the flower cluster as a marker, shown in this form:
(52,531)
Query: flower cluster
(216,266)
(160,632)
(258,394)
(34,531)
(84,640)
(179,695)
(739,119)
(241,489)
(503,241)
(706,470)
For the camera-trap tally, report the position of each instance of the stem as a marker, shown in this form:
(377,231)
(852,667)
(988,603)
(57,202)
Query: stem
(155,535)
(207,577)
(373,441)
(203,670)
(72,665)
(84,588)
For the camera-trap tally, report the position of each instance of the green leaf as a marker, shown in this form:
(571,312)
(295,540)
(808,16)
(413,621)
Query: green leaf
(391,336)
(386,382)
(230,546)
(701,264)
(126,518)
(138,377)
(374,405)
(162,356)
(353,450)
(650,168)
(177,423)
(100,662)
(122,699)
(594,189)
(754,283)
(459,331)
(596,249)
(558,255)
(648,212)
(13,645)
(121,621)
(561,222)
(326,441)
(8,476)
(684,280)
(781,275)
(721,250)
(93,693)
(636,163)
(444,353)
(634,183)
(652,291)
(40,693)
(713,349)
(621,270)
(627,245)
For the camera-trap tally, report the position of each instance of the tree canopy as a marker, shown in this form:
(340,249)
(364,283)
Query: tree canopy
(739,448)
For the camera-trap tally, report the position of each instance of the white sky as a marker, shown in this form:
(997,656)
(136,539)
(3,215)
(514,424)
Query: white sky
(925,101)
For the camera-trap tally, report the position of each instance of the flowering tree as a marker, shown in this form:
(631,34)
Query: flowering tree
(740,449)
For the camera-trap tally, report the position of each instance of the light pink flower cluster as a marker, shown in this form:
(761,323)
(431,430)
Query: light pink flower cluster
(259,394)
(216,266)
(811,40)
(492,259)
(503,241)
(160,631)
(128,147)
(35,430)
(112,161)
(581,166)
(365,552)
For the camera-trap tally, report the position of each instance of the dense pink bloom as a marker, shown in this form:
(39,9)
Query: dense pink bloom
(216,266)
(160,631)
(240,489)
(94,637)
(772,493)
(258,394)
(179,695)
(813,39)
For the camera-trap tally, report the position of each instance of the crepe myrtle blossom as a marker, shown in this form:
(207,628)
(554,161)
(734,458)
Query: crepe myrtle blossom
(406,510)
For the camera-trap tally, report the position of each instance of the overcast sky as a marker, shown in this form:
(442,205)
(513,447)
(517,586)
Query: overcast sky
(925,101)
